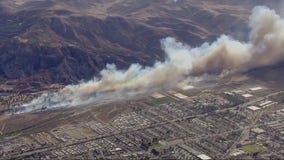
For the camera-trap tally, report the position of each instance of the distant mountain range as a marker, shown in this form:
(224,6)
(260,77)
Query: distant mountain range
(64,41)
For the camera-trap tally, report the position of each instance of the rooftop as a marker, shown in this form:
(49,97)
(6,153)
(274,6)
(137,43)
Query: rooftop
(247,95)
(258,130)
(253,108)
(204,157)
(158,95)
(255,88)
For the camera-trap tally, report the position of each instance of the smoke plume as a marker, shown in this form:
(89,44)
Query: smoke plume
(225,55)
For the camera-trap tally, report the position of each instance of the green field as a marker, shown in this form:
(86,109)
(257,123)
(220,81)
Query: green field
(192,92)
(159,101)
(253,148)
(154,146)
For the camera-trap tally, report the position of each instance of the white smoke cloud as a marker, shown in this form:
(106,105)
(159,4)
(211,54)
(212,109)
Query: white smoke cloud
(266,47)
(267,37)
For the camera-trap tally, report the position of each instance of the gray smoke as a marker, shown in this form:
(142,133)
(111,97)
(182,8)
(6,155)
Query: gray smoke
(266,46)
(225,55)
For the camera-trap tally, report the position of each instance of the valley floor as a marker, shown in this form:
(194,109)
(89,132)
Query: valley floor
(236,120)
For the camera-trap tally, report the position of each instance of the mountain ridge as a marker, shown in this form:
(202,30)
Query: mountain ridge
(68,41)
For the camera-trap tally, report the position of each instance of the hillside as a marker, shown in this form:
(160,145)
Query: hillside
(47,41)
